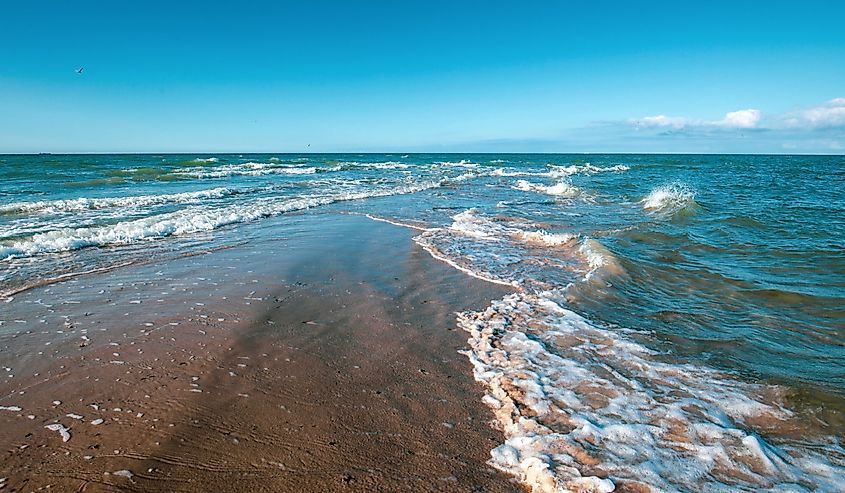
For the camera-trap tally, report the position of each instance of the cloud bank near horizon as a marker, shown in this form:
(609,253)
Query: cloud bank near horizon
(816,129)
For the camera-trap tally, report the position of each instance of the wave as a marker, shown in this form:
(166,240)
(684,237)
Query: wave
(561,189)
(505,250)
(669,199)
(379,165)
(555,171)
(249,169)
(588,409)
(463,163)
(204,160)
(600,259)
(512,172)
(588,169)
(190,220)
(585,408)
(471,224)
(83,204)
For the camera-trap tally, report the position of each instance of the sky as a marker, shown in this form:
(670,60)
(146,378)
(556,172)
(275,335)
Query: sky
(450,76)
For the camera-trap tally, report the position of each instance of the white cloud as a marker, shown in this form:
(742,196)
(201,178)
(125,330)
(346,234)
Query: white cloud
(741,119)
(748,118)
(826,115)
(662,121)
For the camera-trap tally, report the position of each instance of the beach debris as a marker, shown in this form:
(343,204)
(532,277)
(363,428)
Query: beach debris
(63,431)
(57,403)
(97,421)
(73,416)
(10,408)
(123,473)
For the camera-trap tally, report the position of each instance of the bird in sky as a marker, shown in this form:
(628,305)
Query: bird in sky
(79,70)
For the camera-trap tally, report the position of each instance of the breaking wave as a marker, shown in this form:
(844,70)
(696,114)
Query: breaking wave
(562,188)
(190,220)
(82,204)
(668,199)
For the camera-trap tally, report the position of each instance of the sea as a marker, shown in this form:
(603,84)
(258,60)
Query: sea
(676,322)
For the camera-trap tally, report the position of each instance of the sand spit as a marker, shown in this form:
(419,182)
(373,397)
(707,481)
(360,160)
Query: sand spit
(327,369)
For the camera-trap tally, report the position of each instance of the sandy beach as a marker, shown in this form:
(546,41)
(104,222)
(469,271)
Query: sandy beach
(322,359)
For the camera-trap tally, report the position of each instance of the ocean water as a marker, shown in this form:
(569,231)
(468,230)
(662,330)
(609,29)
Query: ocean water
(677,322)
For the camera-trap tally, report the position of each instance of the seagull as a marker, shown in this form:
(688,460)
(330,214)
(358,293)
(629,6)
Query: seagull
(79,70)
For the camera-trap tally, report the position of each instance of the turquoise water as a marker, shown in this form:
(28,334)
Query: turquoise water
(727,268)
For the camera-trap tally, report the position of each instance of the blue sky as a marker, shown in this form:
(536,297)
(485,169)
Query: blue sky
(422,76)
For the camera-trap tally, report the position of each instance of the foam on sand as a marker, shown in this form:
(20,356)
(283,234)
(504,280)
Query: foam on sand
(63,431)
(587,409)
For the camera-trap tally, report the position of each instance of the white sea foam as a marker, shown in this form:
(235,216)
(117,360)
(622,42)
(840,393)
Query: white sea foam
(436,253)
(189,220)
(555,171)
(205,160)
(504,250)
(562,188)
(463,163)
(396,223)
(587,409)
(587,169)
(379,165)
(600,259)
(470,223)
(248,169)
(514,172)
(64,432)
(669,198)
(83,204)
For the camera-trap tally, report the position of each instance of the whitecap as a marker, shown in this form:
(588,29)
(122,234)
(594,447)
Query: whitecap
(189,220)
(669,198)
(562,188)
(84,203)
(587,169)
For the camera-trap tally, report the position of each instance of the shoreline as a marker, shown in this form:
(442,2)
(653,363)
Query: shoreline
(321,359)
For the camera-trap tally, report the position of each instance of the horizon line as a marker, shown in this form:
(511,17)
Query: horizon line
(682,153)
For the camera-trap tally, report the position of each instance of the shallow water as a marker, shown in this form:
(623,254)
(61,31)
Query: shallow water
(678,320)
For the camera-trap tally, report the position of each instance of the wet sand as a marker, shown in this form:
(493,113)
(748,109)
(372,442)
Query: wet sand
(322,356)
